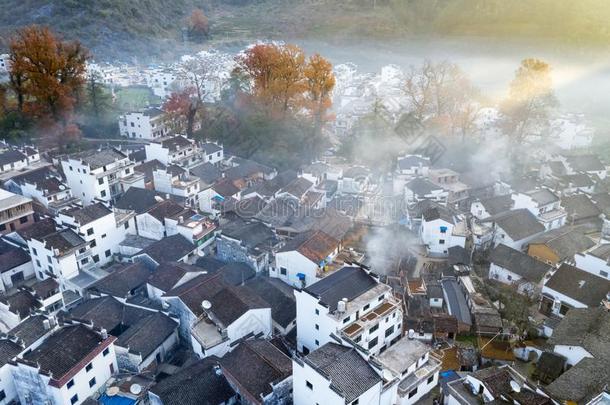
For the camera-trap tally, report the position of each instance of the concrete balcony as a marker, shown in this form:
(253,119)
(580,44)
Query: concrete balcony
(370,319)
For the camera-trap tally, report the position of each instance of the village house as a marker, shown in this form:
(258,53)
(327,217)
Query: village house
(16,212)
(175,150)
(545,205)
(149,124)
(175,248)
(100,174)
(17,159)
(421,189)
(15,266)
(280,298)
(351,305)
(487,207)
(98,225)
(570,287)
(559,246)
(515,268)
(214,315)
(595,261)
(442,228)
(252,243)
(259,372)
(144,336)
(581,210)
(20,304)
(45,187)
(123,282)
(67,367)
(213,153)
(515,228)
(590,164)
(302,260)
(335,374)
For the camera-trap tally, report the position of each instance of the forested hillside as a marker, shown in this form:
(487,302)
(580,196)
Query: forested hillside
(152,28)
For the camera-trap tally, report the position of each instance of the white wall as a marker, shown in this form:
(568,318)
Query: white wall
(593,265)
(294,263)
(26,268)
(573,354)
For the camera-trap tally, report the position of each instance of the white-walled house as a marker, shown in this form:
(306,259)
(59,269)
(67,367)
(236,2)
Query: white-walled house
(570,287)
(544,204)
(335,374)
(422,189)
(595,261)
(146,124)
(301,261)
(212,152)
(441,228)
(487,207)
(66,368)
(514,228)
(44,186)
(15,266)
(178,150)
(99,227)
(513,267)
(408,370)
(100,174)
(350,305)
(177,181)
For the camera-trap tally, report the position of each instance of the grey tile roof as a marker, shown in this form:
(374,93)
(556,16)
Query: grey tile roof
(64,349)
(21,303)
(141,200)
(297,187)
(167,275)
(421,187)
(99,158)
(582,382)
(30,329)
(564,241)
(456,302)
(580,285)
(278,295)
(543,196)
(11,156)
(585,327)
(580,207)
(314,245)
(89,213)
(518,224)
(519,263)
(498,204)
(348,282)
(210,147)
(349,374)
(176,143)
(254,236)
(585,163)
(602,252)
(169,249)
(206,172)
(146,335)
(11,256)
(8,350)
(65,240)
(256,366)
(197,384)
(148,168)
(122,281)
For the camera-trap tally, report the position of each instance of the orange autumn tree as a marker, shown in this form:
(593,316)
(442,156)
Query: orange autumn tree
(319,84)
(199,26)
(47,76)
(276,76)
(181,108)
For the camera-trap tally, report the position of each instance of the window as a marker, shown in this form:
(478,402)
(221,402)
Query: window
(38,263)
(23,220)
(100,180)
(71,168)
(389,331)
(2,227)
(103,236)
(70,383)
(374,328)
(93,243)
(443,229)
(90,231)
(2,395)
(283,271)
(92,382)
(105,352)
(366,307)
(308,385)
(96,258)
(381,297)
(355,402)
(317,327)
(346,320)
(74,399)
(441,242)
(126,225)
(373,343)
(107,253)
(89,367)
(103,193)
(317,342)
(358,339)
(413,393)
(509,277)
(603,273)
(317,312)
(35,252)
(430,379)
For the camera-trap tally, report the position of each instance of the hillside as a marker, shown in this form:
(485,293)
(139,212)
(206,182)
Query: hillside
(152,29)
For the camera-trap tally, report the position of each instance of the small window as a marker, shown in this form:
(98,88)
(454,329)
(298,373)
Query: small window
(2,395)
(374,328)
(366,307)
(74,399)
(317,312)
(317,342)
(389,331)
(89,367)
(96,258)
(317,327)
(346,320)
(373,343)
(413,393)
(381,297)
(49,259)
(70,383)
(126,225)
(441,242)
(71,168)
(430,379)
(108,253)
(103,193)
(103,236)
(93,243)
(100,180)
(90,231)
(38,263)
(308,385)
(105,352)
(283,271)
(603,273)
(35,252)
(443,229)
(92,382)
(23,220)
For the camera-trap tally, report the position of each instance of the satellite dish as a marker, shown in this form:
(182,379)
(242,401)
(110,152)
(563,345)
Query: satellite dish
(112,391)
(387,375)
(206,305)
(135,389)
(515,386)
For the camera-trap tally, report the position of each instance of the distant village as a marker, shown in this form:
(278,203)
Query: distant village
(170,271)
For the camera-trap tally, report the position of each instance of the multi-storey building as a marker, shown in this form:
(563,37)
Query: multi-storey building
(100,174)
(146,124)
(350,305)
(16,212)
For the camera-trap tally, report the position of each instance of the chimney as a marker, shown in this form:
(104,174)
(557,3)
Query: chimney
(47,324)
(104,334)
